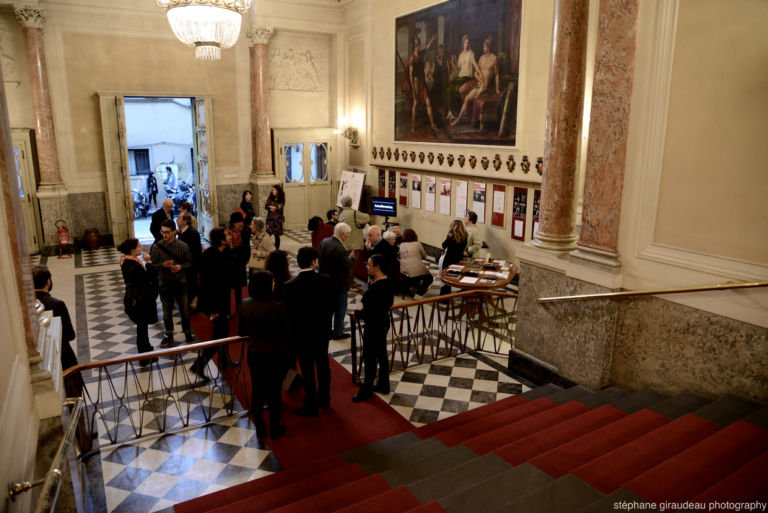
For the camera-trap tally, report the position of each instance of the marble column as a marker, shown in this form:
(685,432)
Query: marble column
(565,99)
(608,128)
(260,137)
(51,193)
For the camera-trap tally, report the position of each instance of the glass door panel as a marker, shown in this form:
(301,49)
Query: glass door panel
(294,164)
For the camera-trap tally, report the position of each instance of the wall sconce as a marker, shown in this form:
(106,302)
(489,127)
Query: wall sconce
(350,134)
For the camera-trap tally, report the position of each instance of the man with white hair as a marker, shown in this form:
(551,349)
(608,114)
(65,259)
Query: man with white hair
(336,263)
(383,244)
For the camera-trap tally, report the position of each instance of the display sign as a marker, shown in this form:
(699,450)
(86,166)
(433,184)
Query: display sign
(461,198)
(499,201)
(382,182)
(415,191)
(404,188)
(535,213)
(429,197)
(351,185)
(478,201)
(445,196)
(392,184)
(519,206)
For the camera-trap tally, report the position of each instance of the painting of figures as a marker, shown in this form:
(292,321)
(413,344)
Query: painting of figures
(456,73)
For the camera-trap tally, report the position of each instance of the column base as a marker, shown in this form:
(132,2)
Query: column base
(596,256)
(555,242)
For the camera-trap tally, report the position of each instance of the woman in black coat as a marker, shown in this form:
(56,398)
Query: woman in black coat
(453,245)
(140,293)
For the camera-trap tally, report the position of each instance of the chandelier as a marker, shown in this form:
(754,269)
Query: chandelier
(206,25)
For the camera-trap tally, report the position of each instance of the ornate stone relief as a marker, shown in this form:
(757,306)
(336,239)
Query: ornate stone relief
(298,70)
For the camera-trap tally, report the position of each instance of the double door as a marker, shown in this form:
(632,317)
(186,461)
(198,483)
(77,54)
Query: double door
(303,166)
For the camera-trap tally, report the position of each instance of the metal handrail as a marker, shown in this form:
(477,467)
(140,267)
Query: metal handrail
(52,481)
(632,293)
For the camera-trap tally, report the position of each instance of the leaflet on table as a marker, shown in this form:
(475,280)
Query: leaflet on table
(468,279)
(455,267)
(499,275)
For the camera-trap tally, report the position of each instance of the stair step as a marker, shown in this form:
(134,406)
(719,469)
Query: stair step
(607,503)
(282,478)
(458,478)
(398,500)
(727,410)
(759,418)
(561,460)
(542,391)
(496,490)
(678,405)
(430,507)
(604,396)
(411,453)
(339,497)
(521,450)
(639,400)
(466,431)
(748,483)
(527,426)
(566,495)
(702,465)
(575,393)
(608,472)
(277,497)
(434,428)
(372,451)
(428,466)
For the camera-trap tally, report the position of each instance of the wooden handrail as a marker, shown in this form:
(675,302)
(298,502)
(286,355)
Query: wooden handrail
(631,293)
(184,348)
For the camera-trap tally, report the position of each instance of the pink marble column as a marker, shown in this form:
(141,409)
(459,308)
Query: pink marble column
(565,99)
(32,20)
(609,124)
(260,137)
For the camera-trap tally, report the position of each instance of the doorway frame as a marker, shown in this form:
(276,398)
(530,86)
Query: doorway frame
(118,193)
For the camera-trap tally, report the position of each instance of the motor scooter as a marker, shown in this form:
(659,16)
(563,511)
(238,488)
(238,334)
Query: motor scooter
(140,204)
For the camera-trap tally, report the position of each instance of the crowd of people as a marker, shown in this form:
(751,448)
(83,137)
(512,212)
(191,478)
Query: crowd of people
(287,319)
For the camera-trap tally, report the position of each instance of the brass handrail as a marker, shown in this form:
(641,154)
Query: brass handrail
(631,293)
(430,329)
(52,481)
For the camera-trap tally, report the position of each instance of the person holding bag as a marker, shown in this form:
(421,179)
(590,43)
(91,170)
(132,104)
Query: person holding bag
(261,245)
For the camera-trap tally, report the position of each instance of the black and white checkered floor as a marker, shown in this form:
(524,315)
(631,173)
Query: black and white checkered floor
(154,474)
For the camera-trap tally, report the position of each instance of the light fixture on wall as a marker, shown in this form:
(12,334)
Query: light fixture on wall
(206,25)
(350,134)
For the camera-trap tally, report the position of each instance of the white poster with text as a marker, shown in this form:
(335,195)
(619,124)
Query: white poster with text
(461,198)
(445,196)
(415,191)
(478,201)
(429,198)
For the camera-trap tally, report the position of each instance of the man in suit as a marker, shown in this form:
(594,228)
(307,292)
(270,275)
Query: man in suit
(41,279)
(189,235)
(160,215)
(308,300)
(336,263)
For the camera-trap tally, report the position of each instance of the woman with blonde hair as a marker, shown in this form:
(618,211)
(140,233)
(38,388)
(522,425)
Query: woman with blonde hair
(453,248)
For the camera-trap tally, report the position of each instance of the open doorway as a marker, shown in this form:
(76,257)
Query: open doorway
(160,141)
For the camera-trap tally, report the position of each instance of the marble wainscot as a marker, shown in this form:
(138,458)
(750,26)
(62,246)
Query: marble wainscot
(89,210)
(228,198)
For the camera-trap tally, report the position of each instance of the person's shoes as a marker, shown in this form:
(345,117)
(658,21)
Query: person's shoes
(166,342)
(381,389)
(276,432)
(362,395)
(189,337)
(306,412)
(340,337)
(147,361)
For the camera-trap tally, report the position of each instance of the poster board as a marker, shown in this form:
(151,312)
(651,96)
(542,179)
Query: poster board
(429,198)
(445,196)
(461,198)
(416,191)
(499,200)
(404,189)
(478,201)
(351,185)
(519,210)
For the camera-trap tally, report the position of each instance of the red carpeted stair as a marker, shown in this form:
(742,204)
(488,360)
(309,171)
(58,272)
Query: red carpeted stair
(398,500)
(338,497)
(481,412)
(746,484)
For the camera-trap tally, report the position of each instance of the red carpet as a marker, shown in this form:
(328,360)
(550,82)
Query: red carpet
(398,500)
(339,497)
(480,412)
(748,483)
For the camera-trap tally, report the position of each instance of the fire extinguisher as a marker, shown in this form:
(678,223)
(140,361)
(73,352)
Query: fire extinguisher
(64,237)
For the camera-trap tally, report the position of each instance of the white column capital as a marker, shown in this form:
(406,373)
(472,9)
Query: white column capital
(30,17)
(260,35)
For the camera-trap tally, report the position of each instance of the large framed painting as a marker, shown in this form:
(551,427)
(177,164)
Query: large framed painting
(456,73)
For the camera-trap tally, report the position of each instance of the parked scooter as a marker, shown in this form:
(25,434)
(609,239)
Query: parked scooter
(184,193)
(140,204)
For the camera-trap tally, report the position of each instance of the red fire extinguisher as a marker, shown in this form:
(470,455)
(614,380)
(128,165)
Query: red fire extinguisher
(64,237)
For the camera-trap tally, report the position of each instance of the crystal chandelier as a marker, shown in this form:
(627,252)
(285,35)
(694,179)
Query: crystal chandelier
(206,25)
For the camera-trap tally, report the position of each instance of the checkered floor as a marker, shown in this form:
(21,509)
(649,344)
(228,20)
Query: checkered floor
(156,473)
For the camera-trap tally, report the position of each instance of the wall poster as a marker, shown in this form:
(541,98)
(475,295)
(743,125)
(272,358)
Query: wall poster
(535,214)
(429,198)
(499,202)
(351,185)
(404,188)
(519,207)
(382,183)
(478,201)
(415,191)
(445,196)
(392,184)
(456,73)
(461,198)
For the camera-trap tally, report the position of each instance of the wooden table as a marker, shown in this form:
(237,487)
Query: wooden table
(478,275)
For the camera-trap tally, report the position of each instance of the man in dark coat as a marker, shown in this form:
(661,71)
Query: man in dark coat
(160,215)
(216,273)
(191,237)
(335,262)
(41,278)
(308,300)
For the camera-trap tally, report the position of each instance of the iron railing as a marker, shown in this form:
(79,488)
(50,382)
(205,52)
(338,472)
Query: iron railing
(442,327)
(125,401)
